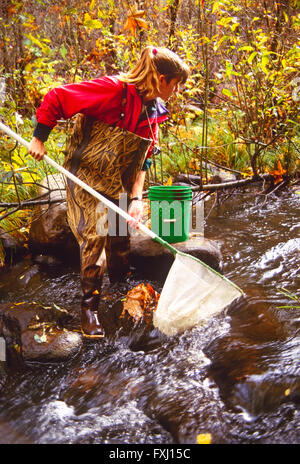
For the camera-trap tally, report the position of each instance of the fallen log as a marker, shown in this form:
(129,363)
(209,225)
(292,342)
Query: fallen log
(192,179)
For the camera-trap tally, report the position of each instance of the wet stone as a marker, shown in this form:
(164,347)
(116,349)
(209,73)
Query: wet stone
(36,333)
(153,261)
(49,232)
(13,245)
(51,345)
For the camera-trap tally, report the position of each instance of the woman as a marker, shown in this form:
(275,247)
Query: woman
(114,136)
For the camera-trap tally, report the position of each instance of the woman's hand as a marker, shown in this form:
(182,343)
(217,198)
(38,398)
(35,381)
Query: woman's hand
(136,206)
(136,211)
(37,149)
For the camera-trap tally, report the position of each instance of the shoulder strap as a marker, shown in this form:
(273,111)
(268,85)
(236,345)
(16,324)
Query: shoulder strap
(77,155)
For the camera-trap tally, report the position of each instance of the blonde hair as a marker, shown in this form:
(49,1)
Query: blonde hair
(153,62)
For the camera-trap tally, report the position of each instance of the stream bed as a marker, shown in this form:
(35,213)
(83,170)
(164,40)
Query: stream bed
(236,378)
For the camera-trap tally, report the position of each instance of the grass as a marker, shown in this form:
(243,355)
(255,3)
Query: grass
(291,296)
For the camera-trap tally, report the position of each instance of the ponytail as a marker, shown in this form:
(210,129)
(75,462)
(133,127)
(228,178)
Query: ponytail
(152,63)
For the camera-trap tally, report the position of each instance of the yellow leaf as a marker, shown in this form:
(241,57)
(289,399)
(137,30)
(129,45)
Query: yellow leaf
(264,63)
(248,172)
(17,348)
(204,439)
(169,181)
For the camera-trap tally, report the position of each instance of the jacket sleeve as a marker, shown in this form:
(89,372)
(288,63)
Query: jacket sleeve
(92,98)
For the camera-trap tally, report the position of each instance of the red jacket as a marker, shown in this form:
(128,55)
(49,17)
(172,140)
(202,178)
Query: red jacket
(100,98)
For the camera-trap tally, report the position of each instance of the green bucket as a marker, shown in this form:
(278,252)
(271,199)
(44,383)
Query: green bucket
(170,212)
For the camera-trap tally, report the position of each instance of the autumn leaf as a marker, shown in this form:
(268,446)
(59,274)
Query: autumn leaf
(17,348)
(2,255)
(140,302)
(11,10)
(248,172)
(227,92)
(134,21)
(169,181)
(40,43)
(264,63)
(278,173)
(204,439)
(194,164)
(41,338)
(91,23)
(59,308)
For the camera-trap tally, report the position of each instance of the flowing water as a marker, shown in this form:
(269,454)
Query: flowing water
(237,377)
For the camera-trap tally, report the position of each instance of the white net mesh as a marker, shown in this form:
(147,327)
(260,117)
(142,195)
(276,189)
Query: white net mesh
(191,294)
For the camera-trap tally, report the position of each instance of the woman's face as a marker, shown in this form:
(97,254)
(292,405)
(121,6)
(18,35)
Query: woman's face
(167,89)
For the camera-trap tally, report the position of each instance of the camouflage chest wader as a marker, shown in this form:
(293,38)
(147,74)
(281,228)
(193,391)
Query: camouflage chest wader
(108,159)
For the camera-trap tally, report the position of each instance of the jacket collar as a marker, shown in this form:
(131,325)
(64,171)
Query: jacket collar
(152,105)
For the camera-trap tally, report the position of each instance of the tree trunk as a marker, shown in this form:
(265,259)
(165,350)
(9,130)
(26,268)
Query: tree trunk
(174,6)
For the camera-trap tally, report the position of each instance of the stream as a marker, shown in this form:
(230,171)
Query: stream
(236,378)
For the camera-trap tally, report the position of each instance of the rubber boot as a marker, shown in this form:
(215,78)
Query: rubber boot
(91,326)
